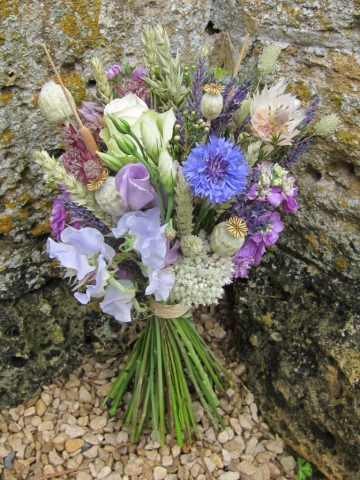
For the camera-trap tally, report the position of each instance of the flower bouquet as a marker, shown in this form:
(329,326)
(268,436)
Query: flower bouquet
(172,184)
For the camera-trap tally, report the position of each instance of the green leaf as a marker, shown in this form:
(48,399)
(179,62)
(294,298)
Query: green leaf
(301,461)
(307,469)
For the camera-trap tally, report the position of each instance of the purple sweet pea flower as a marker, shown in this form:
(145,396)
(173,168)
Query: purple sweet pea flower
(139,73)
(78,247)
(58,216)
(275,197)
(271,235)
(249,254)
(290,205)
(171,253)
(97,290)
(133,183)
(160,283)
(69,257)
(118,304)
(113,72)
(150,239)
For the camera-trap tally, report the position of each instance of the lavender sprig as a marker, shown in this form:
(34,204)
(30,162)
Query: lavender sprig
(87,218)
(230,104)
(294,152)
(311,113)
(194,99)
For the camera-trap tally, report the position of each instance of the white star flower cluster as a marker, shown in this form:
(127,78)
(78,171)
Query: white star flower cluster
(199,280)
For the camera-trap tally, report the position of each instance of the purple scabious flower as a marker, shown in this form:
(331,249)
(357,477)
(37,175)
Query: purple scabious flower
(216,170)
(58,216)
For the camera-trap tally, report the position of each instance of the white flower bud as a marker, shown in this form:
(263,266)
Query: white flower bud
(53,103)
(167,172)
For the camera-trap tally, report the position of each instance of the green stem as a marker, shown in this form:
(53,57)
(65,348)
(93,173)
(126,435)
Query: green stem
(152,368)
(170,207)
(209,399)
(203,356)
(186,396)
(145,402)
(204,208)
(128,365)
(196,361)
(139,384)
(213,356)
(160,383)
(121,391)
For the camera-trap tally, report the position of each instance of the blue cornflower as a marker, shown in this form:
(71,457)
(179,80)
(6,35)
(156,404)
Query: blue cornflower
(216,170)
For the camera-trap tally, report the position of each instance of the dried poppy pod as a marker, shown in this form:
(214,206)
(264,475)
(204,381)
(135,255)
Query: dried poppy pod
(212,102)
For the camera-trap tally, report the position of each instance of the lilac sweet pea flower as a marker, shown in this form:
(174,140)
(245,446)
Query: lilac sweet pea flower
(150,239)
(160,283)
(271,235)
(78,247)
(133,184)
(97,290)
(118,304)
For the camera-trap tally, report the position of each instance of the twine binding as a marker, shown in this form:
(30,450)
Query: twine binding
(167,311)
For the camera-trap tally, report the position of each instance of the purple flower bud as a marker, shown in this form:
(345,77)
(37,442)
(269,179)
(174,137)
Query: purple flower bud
(112,72)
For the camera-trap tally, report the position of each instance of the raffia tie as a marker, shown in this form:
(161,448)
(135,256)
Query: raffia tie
(167,311)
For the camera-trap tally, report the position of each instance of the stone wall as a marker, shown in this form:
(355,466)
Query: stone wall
(302,340)
(304,346)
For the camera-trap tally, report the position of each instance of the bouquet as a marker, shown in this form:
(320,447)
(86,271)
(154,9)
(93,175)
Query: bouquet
(172,184)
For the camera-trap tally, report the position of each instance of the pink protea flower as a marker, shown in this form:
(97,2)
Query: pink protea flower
(275,113)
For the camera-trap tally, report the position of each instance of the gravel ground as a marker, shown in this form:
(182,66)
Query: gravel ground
(66,428)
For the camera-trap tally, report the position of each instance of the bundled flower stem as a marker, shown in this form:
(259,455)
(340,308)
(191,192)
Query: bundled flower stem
(219,148)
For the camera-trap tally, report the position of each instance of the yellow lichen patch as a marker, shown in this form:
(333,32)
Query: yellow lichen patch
(340,265)
(5,97)
(42,228)
(266,320)
(3,268)
(6,136)
(82,23)
(326,240)
(25,197)
(5,224)
(9,7)
(312,240)
(302,91)
(350,139)
(35,101)
(313,269)
(74,83)
(9,204)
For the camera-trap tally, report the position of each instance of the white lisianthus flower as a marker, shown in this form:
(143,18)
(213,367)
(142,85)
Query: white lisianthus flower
(129,108)
(156,130)
(275,113)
